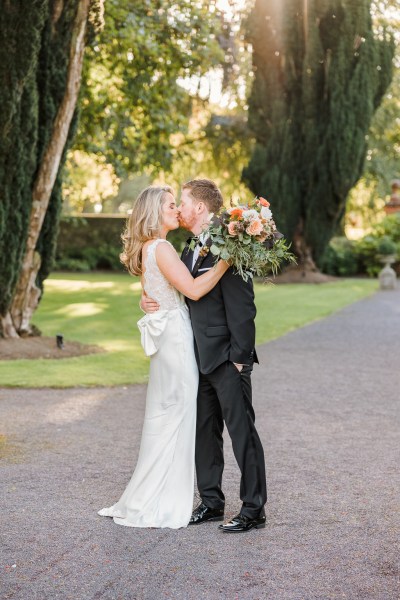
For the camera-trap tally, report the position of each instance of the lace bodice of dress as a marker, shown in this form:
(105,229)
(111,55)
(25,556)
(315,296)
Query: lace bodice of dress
(156,285)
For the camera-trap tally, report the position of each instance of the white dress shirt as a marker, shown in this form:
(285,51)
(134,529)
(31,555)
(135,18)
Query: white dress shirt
(202,238)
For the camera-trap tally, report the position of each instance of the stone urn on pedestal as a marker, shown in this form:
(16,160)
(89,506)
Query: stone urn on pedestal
(387,255)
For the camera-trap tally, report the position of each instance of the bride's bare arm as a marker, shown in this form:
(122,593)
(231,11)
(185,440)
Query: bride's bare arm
(178,275)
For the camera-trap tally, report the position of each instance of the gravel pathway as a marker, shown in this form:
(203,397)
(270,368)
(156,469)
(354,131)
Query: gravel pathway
(328,406)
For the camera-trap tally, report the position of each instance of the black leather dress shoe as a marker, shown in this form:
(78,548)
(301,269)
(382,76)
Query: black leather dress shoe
(241,523)
(203,513)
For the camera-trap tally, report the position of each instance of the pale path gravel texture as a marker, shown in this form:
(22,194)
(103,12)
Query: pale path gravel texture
(327,400)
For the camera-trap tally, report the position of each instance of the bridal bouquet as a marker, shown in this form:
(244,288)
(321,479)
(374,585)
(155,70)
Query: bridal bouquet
(244,235)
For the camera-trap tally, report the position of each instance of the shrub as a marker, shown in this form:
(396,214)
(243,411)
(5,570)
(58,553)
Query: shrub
(103,257)
(390,227)
(340,258)
(72,264)
(344,257)
(95,243)
(386,246)
(370,251)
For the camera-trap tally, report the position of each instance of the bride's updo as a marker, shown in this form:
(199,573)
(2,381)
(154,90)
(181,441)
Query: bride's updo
(143,224)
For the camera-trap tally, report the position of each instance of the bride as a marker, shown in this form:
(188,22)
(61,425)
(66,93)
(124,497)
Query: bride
(160,492)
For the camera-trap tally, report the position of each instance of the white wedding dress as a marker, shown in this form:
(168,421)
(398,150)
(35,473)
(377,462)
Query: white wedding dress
(160,492)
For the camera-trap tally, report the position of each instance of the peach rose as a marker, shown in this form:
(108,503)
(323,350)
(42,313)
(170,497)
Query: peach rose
(255,227)
(263,201)
(232,228)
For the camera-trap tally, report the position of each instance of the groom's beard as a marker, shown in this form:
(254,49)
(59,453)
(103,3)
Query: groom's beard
(185,224)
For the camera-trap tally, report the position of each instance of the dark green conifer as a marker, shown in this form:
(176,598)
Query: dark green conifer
(21,27)
(35,56)
(320,73)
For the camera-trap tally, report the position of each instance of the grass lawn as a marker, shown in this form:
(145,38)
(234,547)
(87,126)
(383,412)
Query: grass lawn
(103,309)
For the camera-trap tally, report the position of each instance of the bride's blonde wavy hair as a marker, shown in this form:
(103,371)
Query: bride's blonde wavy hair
(143,224)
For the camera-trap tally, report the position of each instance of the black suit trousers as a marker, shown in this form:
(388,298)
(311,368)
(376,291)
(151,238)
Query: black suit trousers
(225,396)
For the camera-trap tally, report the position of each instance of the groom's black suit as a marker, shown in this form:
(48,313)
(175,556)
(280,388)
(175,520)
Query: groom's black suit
(224,333)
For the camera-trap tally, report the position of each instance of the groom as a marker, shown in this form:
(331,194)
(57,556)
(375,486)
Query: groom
(224,340)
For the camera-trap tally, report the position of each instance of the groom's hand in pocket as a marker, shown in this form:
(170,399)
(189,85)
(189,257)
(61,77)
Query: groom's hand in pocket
(148,305)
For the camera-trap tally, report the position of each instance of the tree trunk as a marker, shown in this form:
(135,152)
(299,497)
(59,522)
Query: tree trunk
(7,327)
(303,250)
(27,294)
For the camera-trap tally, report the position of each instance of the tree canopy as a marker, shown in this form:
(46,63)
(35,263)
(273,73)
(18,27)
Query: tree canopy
(131,100)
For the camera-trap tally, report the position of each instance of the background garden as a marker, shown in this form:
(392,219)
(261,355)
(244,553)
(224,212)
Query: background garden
(297,101)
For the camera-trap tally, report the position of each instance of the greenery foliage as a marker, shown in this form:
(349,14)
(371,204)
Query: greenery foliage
(87,244)
(389,226)
(146,108)
(345,257)
(320,74)
(131,101)
(340,258)
(370,250)
(383,157)
(368,197)
(217,146)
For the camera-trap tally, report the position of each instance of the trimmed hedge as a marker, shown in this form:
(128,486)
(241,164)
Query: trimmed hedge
(90,243)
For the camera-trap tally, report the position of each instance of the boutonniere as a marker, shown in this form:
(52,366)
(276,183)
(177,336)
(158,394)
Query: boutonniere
(204,250)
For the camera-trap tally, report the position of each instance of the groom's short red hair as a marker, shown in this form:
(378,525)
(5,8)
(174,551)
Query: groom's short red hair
(205,190)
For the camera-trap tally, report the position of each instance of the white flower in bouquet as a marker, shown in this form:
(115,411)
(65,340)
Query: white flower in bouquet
(250,214)
(266,213)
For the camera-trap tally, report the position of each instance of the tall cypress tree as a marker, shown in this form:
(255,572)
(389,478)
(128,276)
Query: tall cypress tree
(39,83)
(21,26)
(320,74)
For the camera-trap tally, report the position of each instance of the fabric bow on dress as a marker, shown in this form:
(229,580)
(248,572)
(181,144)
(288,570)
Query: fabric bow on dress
(151,328)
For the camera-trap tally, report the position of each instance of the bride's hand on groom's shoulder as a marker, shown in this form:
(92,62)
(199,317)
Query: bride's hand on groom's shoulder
(148,305)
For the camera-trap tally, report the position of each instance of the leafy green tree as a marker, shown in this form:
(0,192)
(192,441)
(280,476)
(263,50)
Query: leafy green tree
(218,142)
(131,101)
(179,132)
(320,73)
(367,199)
(216,146)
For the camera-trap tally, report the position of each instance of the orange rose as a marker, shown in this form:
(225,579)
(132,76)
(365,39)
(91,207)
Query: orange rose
(232,228)
(263,202)
(255,227)
(237,212)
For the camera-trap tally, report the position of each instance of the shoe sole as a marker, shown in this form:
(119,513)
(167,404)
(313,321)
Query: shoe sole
(260,526)
(212,519)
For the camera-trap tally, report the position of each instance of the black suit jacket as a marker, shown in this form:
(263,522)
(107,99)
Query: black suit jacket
(223,320)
